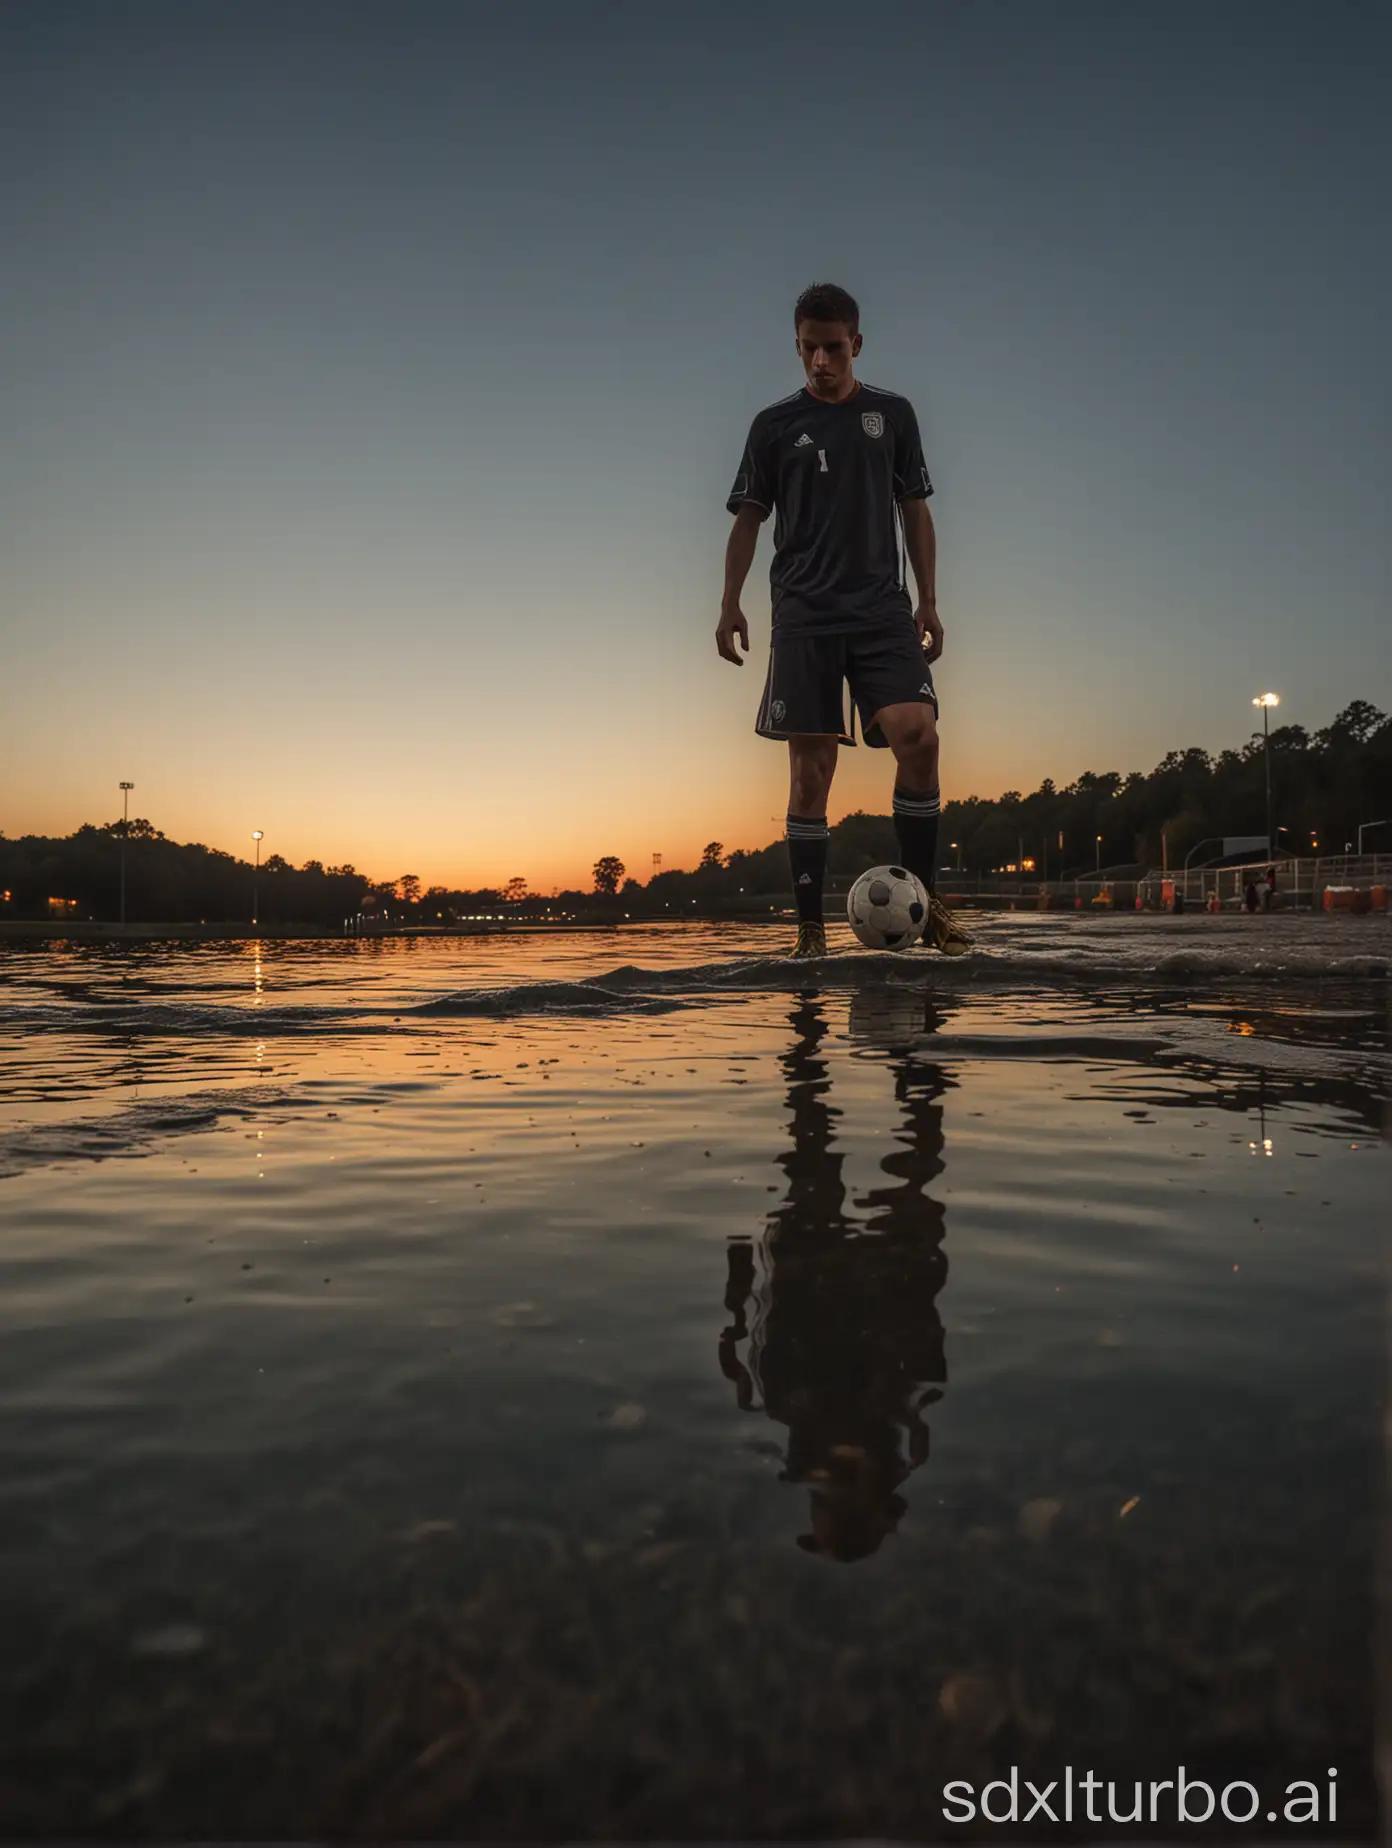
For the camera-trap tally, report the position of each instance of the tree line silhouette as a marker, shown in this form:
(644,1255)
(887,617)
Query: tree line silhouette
(1325,784)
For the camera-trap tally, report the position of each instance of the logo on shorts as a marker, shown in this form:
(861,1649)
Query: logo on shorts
(927,688)
(777,711)
(872,422)
(802,441)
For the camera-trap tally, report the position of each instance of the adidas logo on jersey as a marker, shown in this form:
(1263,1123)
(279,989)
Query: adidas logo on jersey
(803,441)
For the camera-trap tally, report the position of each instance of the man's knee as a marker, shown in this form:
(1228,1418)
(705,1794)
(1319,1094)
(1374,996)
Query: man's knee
(912,732)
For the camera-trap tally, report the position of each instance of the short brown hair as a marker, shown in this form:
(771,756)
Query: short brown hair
(825,302)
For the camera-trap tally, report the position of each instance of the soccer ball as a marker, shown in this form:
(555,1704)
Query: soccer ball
(887,907)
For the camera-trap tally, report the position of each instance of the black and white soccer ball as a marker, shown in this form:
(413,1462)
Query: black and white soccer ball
(887,908)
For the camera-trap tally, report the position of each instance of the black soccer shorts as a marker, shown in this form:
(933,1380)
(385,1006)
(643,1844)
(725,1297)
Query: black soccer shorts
(884,665)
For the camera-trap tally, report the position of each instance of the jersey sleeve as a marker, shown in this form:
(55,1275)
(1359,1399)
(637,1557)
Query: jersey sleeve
(754,482)
(910,470)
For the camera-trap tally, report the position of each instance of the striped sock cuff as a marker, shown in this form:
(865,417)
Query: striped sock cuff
(808,828)
(909,802)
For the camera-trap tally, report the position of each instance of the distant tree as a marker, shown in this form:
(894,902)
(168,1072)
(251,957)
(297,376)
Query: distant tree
(607,874)
(276,864)
(1356,724)
(408,889)
(713,853)
(1289,738)
(136,829)
(515,890)
(317,867)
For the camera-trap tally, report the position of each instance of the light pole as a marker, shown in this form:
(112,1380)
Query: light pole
(126,788)
(1266,701)
(1099,853)
(1370,824)
(258,836)
(956,848)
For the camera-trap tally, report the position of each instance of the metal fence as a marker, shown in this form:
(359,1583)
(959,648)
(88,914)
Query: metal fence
(1300,885)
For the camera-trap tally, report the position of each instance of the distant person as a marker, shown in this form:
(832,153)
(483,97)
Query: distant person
(1249,897)
(1215,904)
(1268,896)
(839,461)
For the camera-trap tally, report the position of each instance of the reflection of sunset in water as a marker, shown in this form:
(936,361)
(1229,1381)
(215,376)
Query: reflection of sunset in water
(387,1284)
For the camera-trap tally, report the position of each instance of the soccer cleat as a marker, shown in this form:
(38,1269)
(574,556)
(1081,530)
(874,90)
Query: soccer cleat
(811,941)
(942,930)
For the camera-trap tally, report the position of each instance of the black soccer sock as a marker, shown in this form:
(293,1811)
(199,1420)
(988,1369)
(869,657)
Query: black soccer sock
(916,825)
(807,857)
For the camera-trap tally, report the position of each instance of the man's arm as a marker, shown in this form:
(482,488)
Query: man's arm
(921,543)
(739,556)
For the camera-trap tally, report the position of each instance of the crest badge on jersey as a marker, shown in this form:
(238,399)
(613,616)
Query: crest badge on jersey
(872,422)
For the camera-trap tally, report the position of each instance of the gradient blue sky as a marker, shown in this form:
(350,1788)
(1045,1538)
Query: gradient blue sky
(374,377)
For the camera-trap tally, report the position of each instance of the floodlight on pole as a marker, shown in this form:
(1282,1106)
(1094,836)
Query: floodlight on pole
(126,788)
(1266,701)
(258,835)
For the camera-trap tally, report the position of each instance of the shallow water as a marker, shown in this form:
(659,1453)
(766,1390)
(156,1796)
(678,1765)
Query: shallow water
(620,1385)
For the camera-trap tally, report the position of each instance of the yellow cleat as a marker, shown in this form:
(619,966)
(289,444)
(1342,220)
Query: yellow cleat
(942,930)
(811,941)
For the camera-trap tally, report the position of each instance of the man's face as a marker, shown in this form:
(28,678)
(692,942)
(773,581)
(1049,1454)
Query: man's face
(826,349)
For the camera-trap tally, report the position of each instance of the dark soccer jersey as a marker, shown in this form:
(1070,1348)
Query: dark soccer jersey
(834,475)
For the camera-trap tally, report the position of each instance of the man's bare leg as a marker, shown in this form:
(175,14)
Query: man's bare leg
(811,766)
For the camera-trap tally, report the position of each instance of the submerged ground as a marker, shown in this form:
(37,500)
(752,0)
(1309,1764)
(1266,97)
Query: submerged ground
(636,1388)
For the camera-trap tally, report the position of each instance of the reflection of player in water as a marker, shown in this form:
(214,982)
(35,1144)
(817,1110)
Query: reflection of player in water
(845,1345)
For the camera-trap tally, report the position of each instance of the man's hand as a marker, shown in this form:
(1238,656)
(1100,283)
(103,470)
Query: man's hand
(930,630)
(732,624)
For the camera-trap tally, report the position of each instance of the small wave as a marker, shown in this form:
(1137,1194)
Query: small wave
(631,989)
(181,1018)
(1096,965)
(917,971)
(128,1132)
(1278,968)
(597,996)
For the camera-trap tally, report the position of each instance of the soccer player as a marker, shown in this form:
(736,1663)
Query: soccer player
(843,465)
